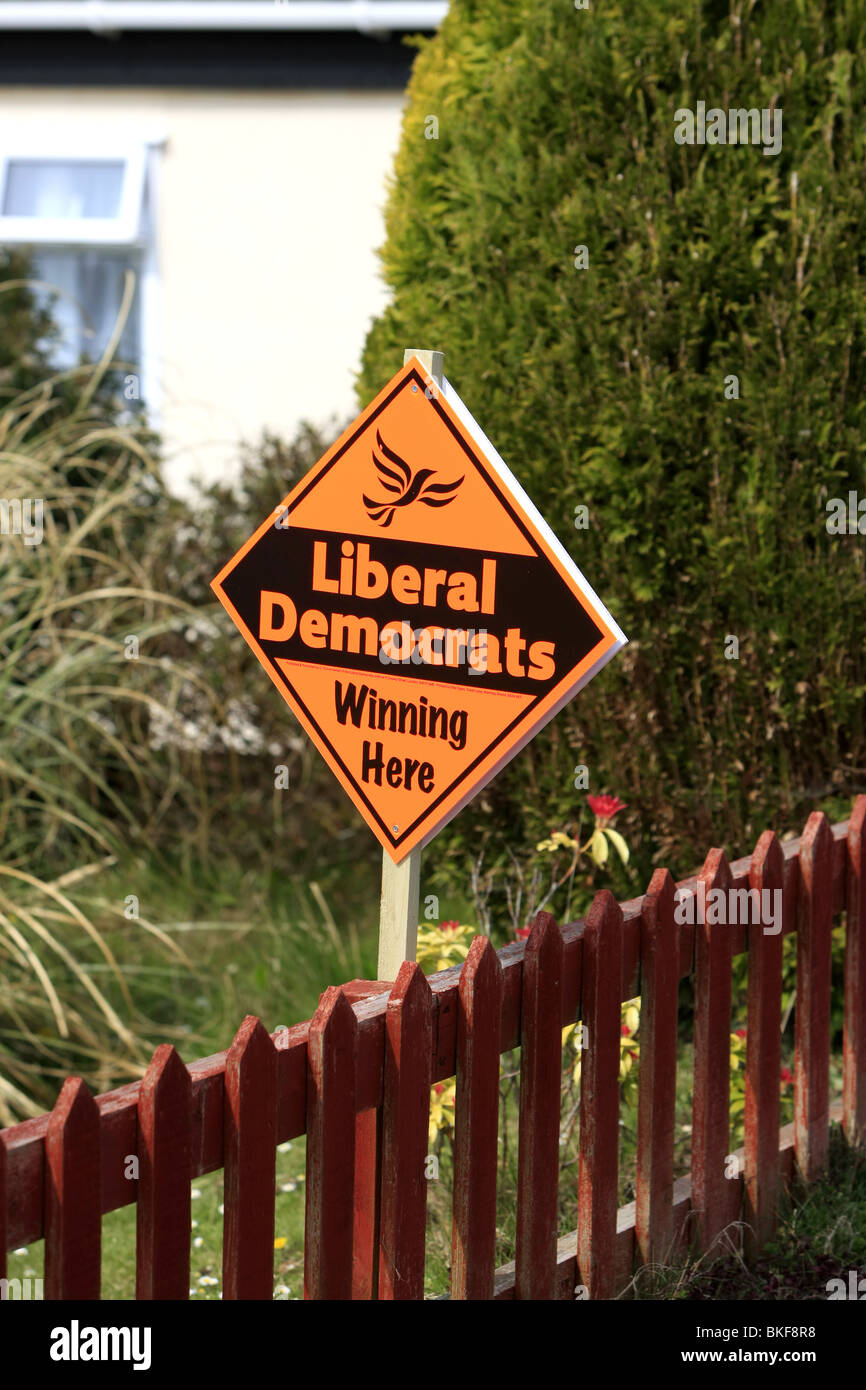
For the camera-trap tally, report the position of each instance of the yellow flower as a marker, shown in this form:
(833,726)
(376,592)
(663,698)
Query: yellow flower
(280,1242)
(558,840)
(443,1097)
(439,948)
(629,1047)
(738,1049)
(631,1015)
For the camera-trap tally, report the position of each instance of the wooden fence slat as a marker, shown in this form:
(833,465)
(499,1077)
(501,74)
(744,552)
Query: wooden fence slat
(42,1156)
(712,1192)
(330,1148)
(164,1177)
(657,1074)
(405,1119)
(540,1101)
(366,1217)
(599,1097)
(73,1207)
(368,1173)
(25,1141)
(476,1128)
(763,1049)
(3,1202)
(812,1020)
(250,1149)
(854,1043)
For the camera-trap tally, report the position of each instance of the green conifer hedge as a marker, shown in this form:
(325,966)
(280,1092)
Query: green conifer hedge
(610,386)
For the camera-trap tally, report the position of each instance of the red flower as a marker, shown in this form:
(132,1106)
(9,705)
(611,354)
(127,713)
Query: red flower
(450,926)
(604,808)
(522,933)
(740,1033)
(786,1076)
(625,1030)
(439,1088)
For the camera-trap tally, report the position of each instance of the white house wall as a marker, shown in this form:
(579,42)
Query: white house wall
(268,215)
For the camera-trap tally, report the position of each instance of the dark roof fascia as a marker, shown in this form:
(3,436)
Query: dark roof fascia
(251,60)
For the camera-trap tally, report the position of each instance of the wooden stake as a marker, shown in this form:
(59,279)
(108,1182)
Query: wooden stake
(401,883)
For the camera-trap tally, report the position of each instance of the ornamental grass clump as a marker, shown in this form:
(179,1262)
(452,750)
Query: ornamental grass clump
(84,668)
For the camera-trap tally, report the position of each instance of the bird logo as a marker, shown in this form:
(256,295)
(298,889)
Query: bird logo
(403,487)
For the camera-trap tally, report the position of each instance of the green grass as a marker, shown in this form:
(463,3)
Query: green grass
(118,1237)
(250,946)
(207,947)
(821,1236)
(210,946)
(440,1191)
(273,959)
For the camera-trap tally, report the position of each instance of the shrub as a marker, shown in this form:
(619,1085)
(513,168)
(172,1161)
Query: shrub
(26,329)
(81,781)
(606,386)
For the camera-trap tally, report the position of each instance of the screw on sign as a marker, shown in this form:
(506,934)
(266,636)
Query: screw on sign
(415,610)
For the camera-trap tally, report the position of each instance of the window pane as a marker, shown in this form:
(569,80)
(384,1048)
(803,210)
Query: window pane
(92,281)
(63,188)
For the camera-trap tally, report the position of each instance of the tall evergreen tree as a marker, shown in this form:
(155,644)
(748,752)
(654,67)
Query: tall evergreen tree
(670,335)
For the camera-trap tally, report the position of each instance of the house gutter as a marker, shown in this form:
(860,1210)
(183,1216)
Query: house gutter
(116,16)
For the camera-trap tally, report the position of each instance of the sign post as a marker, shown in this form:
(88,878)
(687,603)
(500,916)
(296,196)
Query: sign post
(401,883)
(420,618)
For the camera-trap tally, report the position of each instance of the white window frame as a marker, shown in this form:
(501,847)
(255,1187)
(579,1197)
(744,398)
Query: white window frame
(138,150)
(121,230)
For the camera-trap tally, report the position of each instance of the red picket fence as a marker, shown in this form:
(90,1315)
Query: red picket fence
(356,1080)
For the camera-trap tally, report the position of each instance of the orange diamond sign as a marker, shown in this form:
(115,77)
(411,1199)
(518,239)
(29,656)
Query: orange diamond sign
(415,611)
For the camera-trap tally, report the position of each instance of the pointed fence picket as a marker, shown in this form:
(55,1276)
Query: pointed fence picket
(367,1199)
(356,1080)
(164,1177)
(763,1052)
(657,1077)
(405,1112)
(854,1036)
(476,1123)
(73,1207)
(250,1163)
(599,1098)
(711,1187)
(330,1148)
(812,1023)
(4,1244)
(540,1097)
